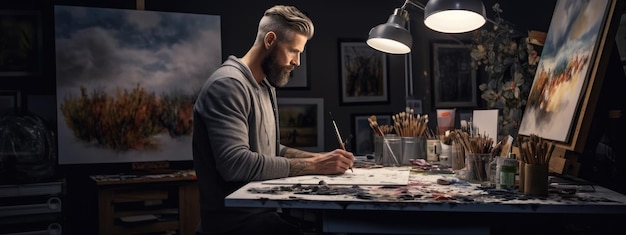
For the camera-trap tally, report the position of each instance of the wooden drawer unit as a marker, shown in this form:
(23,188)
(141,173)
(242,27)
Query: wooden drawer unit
(148,206)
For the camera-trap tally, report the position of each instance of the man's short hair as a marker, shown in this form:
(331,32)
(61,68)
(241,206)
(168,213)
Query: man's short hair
(284,21)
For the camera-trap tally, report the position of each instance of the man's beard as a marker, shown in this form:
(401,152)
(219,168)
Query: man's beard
(276,75)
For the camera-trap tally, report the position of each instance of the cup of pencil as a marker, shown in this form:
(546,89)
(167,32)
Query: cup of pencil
(536,153)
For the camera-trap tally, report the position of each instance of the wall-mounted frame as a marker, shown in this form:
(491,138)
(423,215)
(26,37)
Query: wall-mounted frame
(21,43)
(569,77)
(415,104)
(299,77)
(10,102)
(301,123)
(363,133)
(363,73)
(454,80)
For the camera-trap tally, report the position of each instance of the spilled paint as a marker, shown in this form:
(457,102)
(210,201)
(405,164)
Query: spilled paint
(424,192)
(321,189)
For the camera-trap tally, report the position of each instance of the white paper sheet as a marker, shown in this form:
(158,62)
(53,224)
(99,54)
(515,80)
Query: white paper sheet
(487,123)
(360,176)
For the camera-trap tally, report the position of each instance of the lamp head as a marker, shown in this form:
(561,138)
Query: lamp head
(392,37)
(454,16)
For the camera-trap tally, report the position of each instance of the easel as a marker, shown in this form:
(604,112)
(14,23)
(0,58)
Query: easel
(565,157)
(564,162)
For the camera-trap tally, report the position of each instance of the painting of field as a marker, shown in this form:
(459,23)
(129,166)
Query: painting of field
(126,81)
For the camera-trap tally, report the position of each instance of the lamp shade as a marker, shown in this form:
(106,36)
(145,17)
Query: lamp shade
(392,37)
(454,16)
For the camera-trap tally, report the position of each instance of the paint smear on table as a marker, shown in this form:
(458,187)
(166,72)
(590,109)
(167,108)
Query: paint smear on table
(360,176)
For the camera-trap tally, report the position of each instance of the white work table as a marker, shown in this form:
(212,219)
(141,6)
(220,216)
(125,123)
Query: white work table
(383,202)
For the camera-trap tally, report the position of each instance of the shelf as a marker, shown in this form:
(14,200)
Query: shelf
(132,195)
(156,211)
(40,228)
(118,179)
(31,209)
(20,190)
(53,205)
(141,205)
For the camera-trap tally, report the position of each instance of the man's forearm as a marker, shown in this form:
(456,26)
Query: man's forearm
(298,165)
(296,153)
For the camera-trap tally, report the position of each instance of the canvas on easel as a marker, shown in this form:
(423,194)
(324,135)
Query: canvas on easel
(570,73)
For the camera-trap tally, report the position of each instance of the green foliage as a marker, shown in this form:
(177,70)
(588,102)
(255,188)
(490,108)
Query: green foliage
(125,121)
(510,62)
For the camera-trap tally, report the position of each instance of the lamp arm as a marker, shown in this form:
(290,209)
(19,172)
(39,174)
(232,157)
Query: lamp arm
(422,7)
(418,4)
(407,2)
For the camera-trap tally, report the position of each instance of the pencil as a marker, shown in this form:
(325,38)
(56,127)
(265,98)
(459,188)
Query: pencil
(338,135)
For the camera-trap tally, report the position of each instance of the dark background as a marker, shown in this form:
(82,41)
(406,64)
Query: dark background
(334,21)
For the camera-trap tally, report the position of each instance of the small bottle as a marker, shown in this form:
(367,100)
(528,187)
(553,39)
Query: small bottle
(507,172)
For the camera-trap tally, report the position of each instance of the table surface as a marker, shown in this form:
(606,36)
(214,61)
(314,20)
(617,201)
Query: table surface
(117,179)
(423,193)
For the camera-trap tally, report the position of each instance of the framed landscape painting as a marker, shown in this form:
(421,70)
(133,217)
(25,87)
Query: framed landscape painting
(454,82)
(126,81)
(301,123)
(363,73)
(20,43)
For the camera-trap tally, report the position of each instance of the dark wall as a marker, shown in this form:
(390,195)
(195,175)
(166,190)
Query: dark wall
(334,21)
(341,20)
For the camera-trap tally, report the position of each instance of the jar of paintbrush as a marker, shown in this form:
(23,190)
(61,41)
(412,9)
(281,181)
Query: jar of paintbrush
(536,153)
(477,158)
(411,128)
(380,131)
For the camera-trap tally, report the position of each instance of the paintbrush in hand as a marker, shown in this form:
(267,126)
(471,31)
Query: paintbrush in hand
(338,135)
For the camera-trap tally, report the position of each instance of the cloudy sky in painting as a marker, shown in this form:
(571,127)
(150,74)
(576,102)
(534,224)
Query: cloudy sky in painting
(573,21)
(103,48)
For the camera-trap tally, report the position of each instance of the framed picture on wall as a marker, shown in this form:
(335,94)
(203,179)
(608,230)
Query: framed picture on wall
(454,80)
(415,104)
(21,39)
(301,123)
(363,133)
(10,101)
(299,77)
(363,73)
